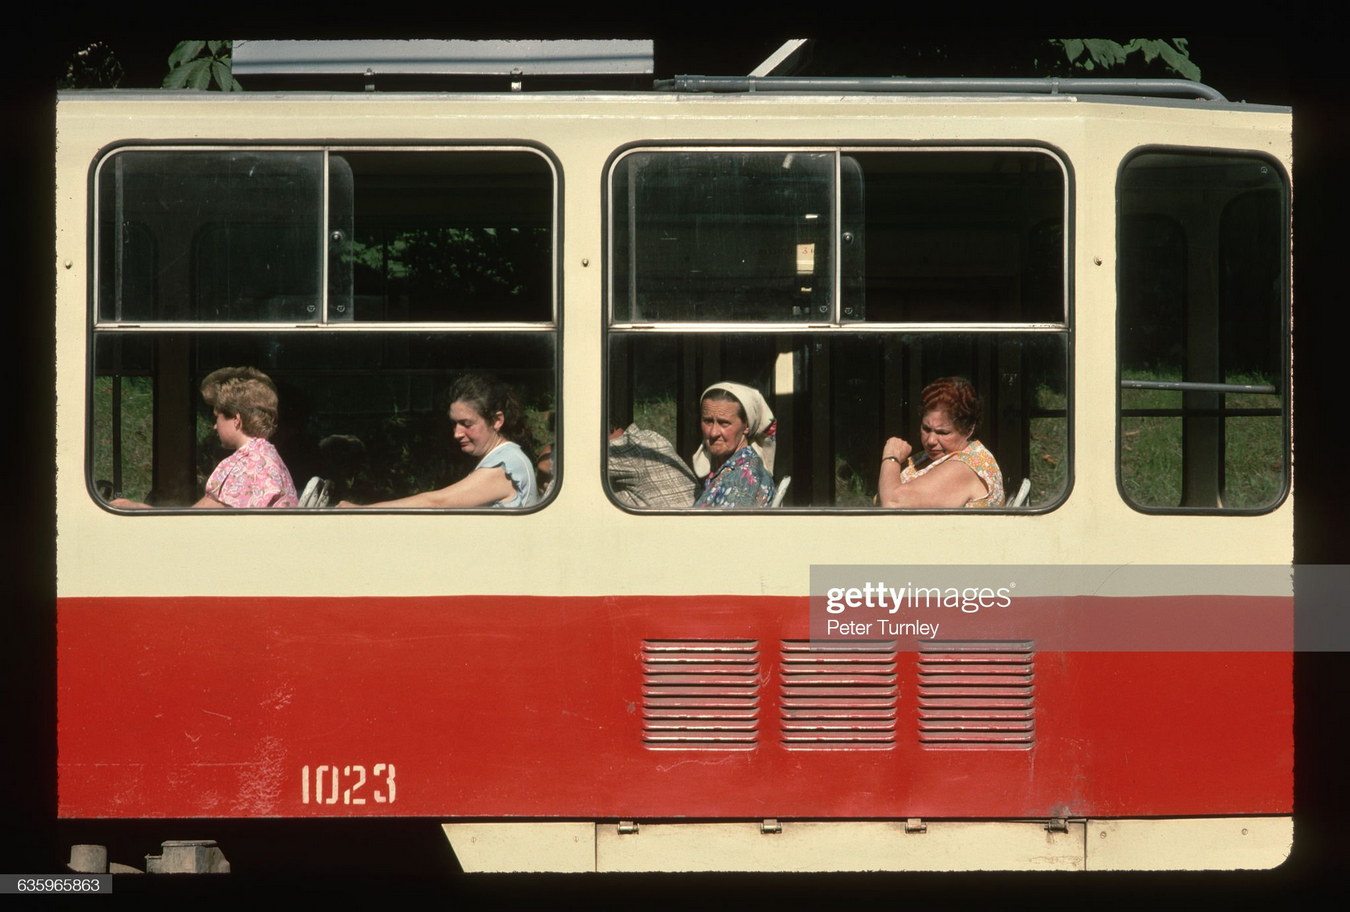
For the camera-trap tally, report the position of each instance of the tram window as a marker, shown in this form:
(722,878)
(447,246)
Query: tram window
(890,255)
(426,236)
(972,236)
(362,303)
(838,396)
(1203,332)
(248,220)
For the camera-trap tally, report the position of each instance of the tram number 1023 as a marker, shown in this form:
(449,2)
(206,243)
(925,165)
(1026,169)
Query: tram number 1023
(347,784)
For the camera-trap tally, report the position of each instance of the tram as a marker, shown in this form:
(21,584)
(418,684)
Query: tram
(589,685)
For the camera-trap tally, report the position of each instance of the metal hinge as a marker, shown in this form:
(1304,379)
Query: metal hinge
(915,825)
(628,827)
(770,826)
(1057,825)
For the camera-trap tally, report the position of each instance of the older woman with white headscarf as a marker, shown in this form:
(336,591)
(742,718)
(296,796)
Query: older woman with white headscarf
(735,459)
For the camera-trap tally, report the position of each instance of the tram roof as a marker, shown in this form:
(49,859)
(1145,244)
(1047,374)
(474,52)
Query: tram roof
(456,65)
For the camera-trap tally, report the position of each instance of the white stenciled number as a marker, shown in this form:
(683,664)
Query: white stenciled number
(355,786)
(329,784)
(388,770)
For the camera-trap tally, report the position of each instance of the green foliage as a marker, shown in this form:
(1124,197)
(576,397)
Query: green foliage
(200,64)
(94,66)
(1049,452)
(136,412)
(466,262)
(1091,54)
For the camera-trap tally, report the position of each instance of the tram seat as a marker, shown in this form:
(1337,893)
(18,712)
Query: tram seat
(782,491)
(1020,498)
(315,495)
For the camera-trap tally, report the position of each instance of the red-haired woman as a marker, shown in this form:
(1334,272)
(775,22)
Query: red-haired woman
(954,469)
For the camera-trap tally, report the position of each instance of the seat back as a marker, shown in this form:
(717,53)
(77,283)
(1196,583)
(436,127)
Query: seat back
(315,495)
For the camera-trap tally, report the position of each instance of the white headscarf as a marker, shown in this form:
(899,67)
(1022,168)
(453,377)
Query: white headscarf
(760,432)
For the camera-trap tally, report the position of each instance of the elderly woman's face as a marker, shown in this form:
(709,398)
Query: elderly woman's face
(940,436)
(724,432)
(474,434)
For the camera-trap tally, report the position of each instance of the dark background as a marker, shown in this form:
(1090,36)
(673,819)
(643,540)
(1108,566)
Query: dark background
(1288,58)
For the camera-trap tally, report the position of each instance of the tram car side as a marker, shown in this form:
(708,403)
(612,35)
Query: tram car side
(1093,673)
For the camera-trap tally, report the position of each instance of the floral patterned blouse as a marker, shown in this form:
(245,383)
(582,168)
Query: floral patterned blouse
(981,462)
(253,476)
(742,481)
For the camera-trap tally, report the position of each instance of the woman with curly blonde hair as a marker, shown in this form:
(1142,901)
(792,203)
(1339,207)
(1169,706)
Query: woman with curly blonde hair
(244,401)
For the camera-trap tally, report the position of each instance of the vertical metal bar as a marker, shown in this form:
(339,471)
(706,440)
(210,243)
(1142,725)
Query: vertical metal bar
(116,409)
(325,237)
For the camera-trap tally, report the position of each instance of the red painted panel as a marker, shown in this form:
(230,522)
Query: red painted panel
(519,706)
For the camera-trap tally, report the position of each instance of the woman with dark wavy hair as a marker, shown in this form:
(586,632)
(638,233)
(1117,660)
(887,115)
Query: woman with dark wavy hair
(489,424)
(954,469)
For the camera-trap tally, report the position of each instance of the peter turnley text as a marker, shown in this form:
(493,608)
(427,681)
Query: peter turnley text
(880,596)
(880,627)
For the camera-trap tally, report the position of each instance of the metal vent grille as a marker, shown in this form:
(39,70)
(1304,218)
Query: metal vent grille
(977,695)
(700,694)
(840,696)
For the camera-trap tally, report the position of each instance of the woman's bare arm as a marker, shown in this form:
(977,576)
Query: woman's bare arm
(481,488)
(952,484)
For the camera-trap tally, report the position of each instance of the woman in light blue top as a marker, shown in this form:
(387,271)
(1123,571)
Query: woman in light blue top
(488,421)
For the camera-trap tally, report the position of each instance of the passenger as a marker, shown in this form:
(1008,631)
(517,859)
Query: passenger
(543,469)
(490,426)
(736,455)
(954,469)
(244,400)
(646,472)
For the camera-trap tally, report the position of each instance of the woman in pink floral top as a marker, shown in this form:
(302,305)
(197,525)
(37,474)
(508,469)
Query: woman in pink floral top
(954,470)
(244,400)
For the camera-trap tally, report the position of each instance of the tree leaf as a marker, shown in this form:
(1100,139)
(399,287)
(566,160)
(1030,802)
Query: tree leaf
(185,51)
(1073,48)
(198,73)
(177,77)
(1148,45)
(1104,51)
(220,70)
(1179,62)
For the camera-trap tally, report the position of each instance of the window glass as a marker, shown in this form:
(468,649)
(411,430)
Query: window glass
(838,396)
(248,221)
(889,255)
(968,236)
(715,236)
(365,411)
(1203,331)
(448,236)
(379,258)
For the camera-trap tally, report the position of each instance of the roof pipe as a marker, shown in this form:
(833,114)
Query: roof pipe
(1183,88)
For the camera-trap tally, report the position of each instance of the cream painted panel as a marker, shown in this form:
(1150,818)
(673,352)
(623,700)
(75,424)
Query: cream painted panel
(1224,843)
(100,553)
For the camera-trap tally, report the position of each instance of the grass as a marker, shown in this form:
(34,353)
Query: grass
(1151,464)
(1049,468)
(137,399)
